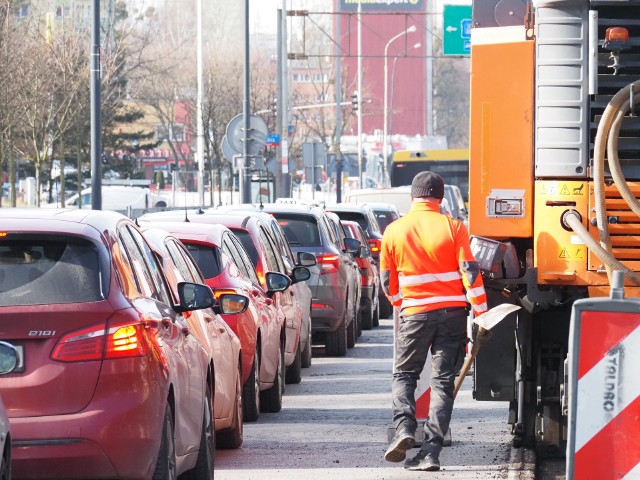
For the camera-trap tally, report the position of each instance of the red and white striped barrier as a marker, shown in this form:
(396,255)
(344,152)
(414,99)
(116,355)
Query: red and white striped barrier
(604,390)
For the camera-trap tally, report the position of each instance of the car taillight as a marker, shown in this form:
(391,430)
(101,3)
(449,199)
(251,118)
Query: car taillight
(81,346)
(120,339)
(374,246)
(327,263)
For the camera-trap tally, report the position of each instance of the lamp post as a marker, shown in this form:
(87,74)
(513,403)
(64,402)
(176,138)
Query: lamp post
(385,148)
(393,78)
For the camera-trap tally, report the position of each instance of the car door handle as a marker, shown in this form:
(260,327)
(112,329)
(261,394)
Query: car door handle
(221,329)
(255,292)
(268,301)
(167,322)
(185,331)
(207,317)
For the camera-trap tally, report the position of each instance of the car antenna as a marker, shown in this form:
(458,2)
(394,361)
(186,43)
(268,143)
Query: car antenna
(261,206)
(186,217)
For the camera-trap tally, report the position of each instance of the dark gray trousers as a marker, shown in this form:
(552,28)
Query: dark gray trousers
(445,332)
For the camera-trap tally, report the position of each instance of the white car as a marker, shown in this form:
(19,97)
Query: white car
(8,362)
(119,198)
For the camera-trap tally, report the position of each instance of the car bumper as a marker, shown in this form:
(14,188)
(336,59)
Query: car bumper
(116,436)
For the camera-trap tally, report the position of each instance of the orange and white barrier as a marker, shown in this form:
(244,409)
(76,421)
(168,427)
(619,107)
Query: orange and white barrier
(604,390)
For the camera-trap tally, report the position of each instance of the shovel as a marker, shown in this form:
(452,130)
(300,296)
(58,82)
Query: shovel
(485,322)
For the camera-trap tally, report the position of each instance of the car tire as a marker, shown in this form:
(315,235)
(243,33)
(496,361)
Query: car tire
(307,353)
(367,318)
(375,321)
(5,466)
(294,371)
(251,392)
(166,461)
(232,437)
(386,309)
(336,341)
(271,399)
(352,332)
(207,450)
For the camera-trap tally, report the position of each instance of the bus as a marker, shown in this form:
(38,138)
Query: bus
(452,164)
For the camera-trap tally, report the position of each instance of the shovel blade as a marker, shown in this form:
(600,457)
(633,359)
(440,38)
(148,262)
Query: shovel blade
(495,315)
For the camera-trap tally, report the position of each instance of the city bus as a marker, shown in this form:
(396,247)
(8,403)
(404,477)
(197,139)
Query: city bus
(452,164)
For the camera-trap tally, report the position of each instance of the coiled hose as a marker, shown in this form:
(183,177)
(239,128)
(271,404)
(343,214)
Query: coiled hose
(607,135)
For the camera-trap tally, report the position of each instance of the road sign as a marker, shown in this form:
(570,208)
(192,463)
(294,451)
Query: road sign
(273,139)
(456,30)
(257,134)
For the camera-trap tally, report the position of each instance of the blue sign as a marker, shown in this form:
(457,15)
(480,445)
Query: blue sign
(273,139)
(466,28)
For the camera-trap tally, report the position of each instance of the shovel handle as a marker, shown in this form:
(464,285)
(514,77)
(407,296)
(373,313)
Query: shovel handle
(468,362)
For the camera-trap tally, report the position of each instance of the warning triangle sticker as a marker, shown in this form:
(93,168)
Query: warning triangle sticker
(564,190)
(564,253)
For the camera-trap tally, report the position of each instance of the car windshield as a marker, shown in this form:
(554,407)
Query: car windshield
(42,269)
(300,231)
(207,259)
(354,217)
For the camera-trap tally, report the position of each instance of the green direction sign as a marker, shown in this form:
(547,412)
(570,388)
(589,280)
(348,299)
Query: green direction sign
(456,30)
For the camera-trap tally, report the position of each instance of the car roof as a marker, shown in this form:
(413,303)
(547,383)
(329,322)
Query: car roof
(198,232)
(349,207)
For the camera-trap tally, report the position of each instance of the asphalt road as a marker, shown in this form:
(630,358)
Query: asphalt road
(333,425)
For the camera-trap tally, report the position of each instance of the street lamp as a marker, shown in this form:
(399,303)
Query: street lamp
(385,148)
(393,79)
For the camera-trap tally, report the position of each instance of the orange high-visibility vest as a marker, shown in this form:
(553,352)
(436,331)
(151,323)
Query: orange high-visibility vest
(426,263)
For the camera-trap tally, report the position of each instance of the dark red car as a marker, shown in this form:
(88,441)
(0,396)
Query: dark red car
(111,384)
(227,267)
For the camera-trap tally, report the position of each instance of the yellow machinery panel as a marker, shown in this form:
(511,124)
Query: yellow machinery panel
(559,254)
(501,133)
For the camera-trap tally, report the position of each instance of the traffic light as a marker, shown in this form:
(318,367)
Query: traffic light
(274,106)
(355,101)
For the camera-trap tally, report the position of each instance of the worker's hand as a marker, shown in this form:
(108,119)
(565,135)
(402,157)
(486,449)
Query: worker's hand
(482,337)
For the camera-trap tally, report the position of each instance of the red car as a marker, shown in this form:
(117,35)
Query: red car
(369,312)
(110,384)
(216,337)
(226,267)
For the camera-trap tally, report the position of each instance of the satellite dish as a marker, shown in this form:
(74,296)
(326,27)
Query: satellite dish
(227,151)
(257,134)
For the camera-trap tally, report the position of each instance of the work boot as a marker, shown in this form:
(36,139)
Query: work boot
(423,461)
(403,441)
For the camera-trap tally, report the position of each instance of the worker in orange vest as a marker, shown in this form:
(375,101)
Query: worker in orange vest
(428,271)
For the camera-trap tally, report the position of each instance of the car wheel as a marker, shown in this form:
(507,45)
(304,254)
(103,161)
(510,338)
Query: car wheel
(5,467)
(386,310)
(336,341)
(294,371)
(233,436)
(376,316)
(307,353)
(352,332)
(166,462)
(251,392)
(206,453)
(271,400)
(367,317)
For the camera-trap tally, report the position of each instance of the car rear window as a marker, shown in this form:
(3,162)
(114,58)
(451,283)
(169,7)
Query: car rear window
(207,259)
(247,243)
(301,231)
(384,218)
(40,270)
(354,217)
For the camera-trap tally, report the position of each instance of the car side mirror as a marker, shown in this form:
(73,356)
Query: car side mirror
(306,259)
(352,245)
(194,296)
(300,274)
(9,358)
(276,282)
(231,304)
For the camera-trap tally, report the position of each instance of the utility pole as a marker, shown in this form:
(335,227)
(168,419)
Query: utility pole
(199,122)
(429,65)
(244,175)
(277,161)
(338,108)
(96,144)
(359,98)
